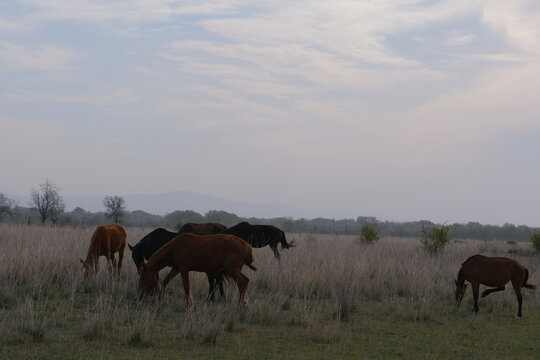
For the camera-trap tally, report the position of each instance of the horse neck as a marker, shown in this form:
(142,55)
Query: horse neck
(461,276)
(156,261)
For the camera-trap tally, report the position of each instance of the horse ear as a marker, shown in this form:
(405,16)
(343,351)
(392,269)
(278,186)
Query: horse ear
(130,247)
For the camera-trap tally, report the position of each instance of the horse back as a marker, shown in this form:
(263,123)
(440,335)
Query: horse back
(205,228)
(108,238)
(207,253)
(492,271)
(149,244)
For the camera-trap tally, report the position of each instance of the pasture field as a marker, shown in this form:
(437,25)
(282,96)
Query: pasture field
(329,298)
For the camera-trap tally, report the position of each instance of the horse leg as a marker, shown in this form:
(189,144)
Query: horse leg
(517,288)
(275,250)
(219,282)
(187,289)
(120,259)
(168,278)
(211,286)
(475,287)
(489,291)
(113,261)
(242,282)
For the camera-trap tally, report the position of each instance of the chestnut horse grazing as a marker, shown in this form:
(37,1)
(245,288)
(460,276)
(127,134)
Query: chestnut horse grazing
(107,240)
(205,228)
(204,253)
(153,242)
(494,272)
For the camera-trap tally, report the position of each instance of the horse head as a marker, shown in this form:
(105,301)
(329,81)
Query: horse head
(459,292)
(86,268)
(148,281)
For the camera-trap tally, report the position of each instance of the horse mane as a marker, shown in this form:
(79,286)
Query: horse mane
(91,255)
(466,261)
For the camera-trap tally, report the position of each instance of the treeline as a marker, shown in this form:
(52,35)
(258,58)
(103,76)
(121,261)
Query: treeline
(175,219)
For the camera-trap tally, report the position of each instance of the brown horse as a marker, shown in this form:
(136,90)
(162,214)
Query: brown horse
(494,272)
(206,228)
(107,240)
(204,253)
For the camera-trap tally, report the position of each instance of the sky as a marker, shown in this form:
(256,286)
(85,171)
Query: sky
(403,110)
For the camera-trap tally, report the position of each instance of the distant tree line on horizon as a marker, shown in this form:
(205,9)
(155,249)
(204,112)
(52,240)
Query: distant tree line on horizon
(47,207)
(175,219)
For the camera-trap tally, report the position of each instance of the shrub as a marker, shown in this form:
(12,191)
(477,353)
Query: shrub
(435,240)
(368,234)
(535,239)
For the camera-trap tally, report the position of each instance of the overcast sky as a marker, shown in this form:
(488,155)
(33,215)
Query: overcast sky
(404,110)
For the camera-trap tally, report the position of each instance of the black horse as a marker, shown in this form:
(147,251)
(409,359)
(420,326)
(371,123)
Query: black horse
(260,236)
(155,240)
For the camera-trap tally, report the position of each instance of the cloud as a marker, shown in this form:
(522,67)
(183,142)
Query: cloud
(457,39)
(15,58)
(119,96)
(126,11)
(518,21)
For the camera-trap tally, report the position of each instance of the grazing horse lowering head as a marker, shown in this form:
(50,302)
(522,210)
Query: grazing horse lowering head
(459,292)
(86,269)
(148,282)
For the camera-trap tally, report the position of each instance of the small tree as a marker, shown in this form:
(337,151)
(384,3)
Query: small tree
(535,239)
(56,209)
(47,201)
(115,207)
(368,234)
(435,240)
(6,205)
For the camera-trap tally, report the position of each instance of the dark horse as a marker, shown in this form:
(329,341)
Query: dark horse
(206,228)
(494,272)
(260,236)
(153,242)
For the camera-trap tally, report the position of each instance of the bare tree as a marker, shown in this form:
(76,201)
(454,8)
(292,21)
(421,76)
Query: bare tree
(47,201)
(6,205)
(115,207)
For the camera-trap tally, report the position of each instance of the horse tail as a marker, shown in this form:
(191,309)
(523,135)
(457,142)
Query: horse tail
(525,285)
(249,259)
(283,242)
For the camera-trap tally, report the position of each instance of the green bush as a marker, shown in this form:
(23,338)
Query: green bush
(435,240)
(535,239)
(368,234)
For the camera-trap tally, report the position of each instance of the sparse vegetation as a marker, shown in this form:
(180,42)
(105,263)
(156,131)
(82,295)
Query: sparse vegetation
(115,207)
(332,300)
(535,240)
(368,234)
(435,240)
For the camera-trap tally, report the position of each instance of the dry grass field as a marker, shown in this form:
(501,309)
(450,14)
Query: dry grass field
(330,297)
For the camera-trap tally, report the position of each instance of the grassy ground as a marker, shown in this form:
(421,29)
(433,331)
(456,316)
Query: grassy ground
(328,298)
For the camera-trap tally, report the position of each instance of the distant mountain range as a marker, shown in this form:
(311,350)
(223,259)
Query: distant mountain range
(161,204)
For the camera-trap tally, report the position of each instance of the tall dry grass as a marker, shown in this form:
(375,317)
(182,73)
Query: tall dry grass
(317,286)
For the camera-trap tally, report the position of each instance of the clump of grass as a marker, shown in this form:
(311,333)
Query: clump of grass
(32,321)
(231,325)
(327,335)
(210,337)
(7,296)
(286,305)
(310,238)
(344,301)
(139,339)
